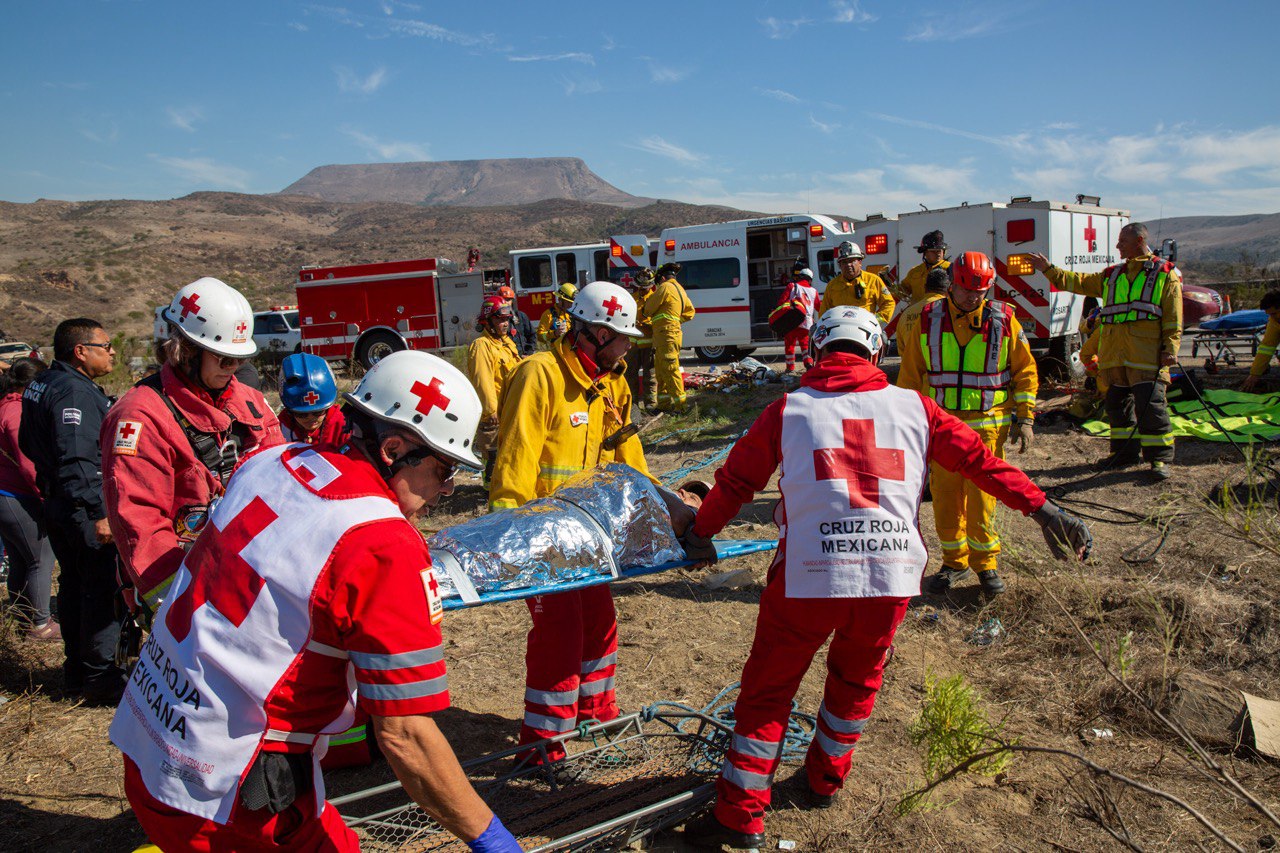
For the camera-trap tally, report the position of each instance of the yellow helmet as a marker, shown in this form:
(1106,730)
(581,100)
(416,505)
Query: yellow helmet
(567,291)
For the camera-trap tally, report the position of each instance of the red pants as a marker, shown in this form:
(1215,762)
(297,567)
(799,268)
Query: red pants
(570,661)
(789,631)
(296,828)
(796,338)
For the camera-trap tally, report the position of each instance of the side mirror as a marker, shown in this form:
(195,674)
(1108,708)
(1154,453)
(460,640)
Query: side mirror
(1169,250)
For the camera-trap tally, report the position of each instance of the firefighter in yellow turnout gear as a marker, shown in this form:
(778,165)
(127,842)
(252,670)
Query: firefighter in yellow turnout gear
(857,287)
(1267,346)
(1138,340)
(555,320)
(490,360)
(932,247)
(970,354)
(640,358)
(665,309)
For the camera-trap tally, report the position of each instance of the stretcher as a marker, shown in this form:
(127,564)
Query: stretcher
(1228,338)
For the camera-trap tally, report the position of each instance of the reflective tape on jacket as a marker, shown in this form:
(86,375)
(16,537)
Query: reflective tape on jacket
(412,690)
(401,660)
(1124,301)
(970,378)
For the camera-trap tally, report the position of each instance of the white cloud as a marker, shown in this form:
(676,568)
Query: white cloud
(299,26)
(584,58)
(185,118)
(1017,142)
(351,82)
(783,28)
(663,148)
(581,86)
(663,74)
(850,12)
(206,172)
(389,24)
(102,135)
(608,43)
(1214,157)
(965,22)
(389,150)
(825,128)
(780,95)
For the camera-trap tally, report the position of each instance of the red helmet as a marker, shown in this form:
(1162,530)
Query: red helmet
(973,271)
(494,307)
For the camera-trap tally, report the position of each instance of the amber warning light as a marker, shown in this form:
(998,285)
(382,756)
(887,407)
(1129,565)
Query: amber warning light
(615,251)
(669,246)
(1020,265)
(877,244)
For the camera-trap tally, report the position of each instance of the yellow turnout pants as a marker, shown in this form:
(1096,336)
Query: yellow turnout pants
(963,514)
(666,365)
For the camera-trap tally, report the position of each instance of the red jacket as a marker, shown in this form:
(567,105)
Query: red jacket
(17,473)
(152,481)
(332,430)
(952,444)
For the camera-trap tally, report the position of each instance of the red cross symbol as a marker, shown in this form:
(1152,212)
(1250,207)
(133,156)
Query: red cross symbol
(627,279)
(127,430)
(219,575)
(1091,236)
(311,398)
(860,463)
(190,304)
(240,329)
(433,584)
(431,396)
(611,305)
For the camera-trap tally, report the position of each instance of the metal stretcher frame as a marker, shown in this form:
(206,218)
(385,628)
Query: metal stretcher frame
(691,737)
(1221,346)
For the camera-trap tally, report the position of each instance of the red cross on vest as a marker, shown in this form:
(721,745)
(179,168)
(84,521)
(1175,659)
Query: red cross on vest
(127,430)
(860,463)
(190,305)
(311,398)
(1091,236)
(430,396)
(220,577)
(611,305)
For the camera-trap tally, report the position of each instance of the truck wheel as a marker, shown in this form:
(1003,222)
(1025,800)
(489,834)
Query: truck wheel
(1062,361)
(717,355)
(376,346)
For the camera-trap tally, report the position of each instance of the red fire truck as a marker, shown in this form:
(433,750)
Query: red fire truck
(365,312)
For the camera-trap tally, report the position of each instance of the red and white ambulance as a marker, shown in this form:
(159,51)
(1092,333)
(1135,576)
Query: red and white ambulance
(365,312)
(536,273)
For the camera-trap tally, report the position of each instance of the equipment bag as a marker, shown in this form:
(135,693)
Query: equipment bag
(786,318)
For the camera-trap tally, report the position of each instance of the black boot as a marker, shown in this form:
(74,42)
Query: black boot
(710,834)
(945,579)
(991,583)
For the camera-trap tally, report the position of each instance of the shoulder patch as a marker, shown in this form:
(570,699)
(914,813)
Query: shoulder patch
(435,603)
(71,416)
(126,440)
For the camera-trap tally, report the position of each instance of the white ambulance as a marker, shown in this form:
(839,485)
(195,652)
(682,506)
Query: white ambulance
(536,273)
(1078,236)
(736,272)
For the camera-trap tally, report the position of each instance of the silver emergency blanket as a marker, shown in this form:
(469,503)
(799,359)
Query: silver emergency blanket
(598,522)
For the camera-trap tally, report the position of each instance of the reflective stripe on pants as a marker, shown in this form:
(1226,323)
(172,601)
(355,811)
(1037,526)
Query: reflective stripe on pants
(963,514)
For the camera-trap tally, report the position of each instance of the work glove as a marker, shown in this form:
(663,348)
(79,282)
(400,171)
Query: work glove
(700,549)
(1066,535)
(495,839)
(1026,437)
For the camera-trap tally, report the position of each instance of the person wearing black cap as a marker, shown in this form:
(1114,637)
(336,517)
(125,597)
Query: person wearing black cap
(932,246)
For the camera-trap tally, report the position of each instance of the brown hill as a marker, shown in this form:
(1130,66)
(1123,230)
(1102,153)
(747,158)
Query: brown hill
(1226,241)
(116,260)
(468,183)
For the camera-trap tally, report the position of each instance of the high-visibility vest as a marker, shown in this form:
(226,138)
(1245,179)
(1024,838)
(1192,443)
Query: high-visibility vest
(1124,301)
(972,378)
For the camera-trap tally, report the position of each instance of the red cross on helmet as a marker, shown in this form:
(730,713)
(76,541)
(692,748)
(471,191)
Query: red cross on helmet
(602,303)
(425,395)
(213,316)
(973,271)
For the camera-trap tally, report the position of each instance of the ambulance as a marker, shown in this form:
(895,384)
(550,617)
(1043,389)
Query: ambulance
(536,273)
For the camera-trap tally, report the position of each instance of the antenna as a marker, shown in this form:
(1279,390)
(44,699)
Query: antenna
(1161,228)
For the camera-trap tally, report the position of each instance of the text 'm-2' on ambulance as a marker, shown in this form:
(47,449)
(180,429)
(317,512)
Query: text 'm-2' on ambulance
(736,272)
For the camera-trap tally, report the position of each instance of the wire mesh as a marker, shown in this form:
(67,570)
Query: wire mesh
(619,782)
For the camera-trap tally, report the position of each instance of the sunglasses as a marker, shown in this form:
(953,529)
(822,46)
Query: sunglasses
(414,458)
(106,346)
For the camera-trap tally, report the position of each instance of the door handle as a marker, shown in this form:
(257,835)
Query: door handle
(738,299)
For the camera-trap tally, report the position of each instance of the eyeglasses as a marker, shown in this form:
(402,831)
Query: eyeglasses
(230,361)
(106,346)
(414,458)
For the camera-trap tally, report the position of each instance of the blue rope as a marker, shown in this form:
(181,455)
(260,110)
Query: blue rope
(672,478)
(667,435)
(795,743)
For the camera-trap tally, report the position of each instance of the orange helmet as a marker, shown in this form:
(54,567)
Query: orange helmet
(973,271)
(506,292)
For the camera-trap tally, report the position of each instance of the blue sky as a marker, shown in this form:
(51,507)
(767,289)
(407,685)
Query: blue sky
(843,106)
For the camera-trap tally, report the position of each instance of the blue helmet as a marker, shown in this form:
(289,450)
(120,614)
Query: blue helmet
(306,383)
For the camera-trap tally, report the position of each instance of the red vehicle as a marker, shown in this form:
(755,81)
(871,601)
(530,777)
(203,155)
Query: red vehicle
(365,312)
(1199,305)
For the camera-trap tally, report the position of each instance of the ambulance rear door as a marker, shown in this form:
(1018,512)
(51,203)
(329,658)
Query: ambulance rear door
(627,255)
(536,273)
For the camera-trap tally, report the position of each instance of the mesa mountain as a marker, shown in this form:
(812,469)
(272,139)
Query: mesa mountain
(467,183)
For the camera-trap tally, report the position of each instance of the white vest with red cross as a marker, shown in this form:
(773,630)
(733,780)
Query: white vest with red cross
(853,469)
(193,715)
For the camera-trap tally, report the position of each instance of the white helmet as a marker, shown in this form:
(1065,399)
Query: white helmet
(214,316)
(805,273)
(426,395)
(848,323)
(602,303)
(848,249)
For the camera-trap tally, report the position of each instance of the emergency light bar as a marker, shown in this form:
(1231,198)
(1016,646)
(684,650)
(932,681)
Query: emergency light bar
(877,244)
(1019,264)
(615,251)
(815,232)
(669,246)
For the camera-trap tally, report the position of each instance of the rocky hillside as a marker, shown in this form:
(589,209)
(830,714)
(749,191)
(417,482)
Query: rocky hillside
(469,183)
(116,260)
(1224,240)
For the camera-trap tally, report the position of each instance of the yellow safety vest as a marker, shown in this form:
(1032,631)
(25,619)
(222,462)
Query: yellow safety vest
(1125,301)
(972,378)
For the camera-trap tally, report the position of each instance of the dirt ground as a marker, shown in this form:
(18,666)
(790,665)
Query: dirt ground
(1204,603)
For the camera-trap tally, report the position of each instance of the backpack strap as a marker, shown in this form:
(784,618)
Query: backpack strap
(218,452)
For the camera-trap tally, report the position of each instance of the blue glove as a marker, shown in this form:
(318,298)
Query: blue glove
(495,839)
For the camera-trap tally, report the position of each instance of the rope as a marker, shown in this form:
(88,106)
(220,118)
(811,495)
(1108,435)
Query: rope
(678,475)
(795,743)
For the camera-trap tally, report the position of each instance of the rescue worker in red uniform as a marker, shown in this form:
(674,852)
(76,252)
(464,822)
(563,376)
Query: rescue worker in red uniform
(170,444)
(309,399)
(566,411)
(854,452)
(805,296)
(309,593)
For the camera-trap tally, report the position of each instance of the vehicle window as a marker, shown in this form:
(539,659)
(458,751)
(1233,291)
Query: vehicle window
(827,264)
(277,324)
(261,325)
(601,266)
(291,317)
(535,272)
(566,268)
(710,274)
